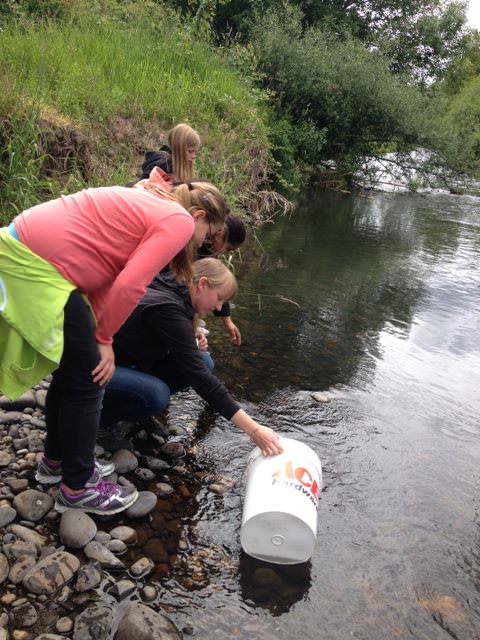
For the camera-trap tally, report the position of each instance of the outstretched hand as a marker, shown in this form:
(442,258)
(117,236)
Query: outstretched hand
(233,331)
(266,440)
(105,369)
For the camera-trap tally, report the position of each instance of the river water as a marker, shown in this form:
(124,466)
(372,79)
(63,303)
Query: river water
(374,300)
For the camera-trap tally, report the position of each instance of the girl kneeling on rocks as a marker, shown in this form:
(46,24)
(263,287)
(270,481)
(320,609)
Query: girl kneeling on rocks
(157,353)
(89,254)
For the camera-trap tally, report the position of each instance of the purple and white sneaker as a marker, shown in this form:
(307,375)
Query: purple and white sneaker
(48,474)
(105,499)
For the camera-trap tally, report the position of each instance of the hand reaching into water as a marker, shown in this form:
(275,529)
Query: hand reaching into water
(233,331)
(266,440)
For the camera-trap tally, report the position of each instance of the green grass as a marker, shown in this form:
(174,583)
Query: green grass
(90,73)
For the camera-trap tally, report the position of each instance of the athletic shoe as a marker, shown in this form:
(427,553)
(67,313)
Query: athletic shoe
(46,474)
(106,499)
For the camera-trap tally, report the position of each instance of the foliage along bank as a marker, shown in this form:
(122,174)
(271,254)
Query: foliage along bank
(85,94)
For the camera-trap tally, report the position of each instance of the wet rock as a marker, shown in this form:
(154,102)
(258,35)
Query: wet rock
(51,573)
(125,534)
(89,576)
(149,593)
(11,416)
(172,450)
(8,598)
(7,515)
(123,588)
(32,504)
(145,503)
(14,550)
(20,568)
(96,551)
(94,623)
(102,536)
(164,489)
(5,458)
(124,461)
(49,636)
(18,634)
(40,397)
(17,484)
(266,577)
(3,620)
(144,474)
(141,568)
(156,464)
(218,488)
(20,443)
(76,529)
(27,535)
(24,616)
(320,397)
(116,546)
(35,444)
(4,568)
(64,625)
(142,623)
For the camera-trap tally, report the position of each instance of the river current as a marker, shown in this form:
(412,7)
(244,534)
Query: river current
(374,300)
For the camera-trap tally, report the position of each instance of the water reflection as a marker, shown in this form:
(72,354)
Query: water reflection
(273,587)
(375,300)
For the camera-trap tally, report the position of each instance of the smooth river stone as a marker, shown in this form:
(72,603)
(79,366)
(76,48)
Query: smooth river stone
(96,551)
(76,529)
(32,504)
(142,623)
(7,515)
(145,503)
(51,573)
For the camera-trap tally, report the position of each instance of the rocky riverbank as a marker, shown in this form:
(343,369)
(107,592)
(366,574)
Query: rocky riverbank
(93,578)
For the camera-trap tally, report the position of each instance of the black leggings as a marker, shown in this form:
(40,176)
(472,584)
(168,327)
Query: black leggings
(74,401)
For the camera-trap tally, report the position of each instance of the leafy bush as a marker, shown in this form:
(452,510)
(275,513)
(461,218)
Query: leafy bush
(338,94)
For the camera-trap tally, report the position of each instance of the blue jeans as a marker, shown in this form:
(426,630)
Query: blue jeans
(132,395)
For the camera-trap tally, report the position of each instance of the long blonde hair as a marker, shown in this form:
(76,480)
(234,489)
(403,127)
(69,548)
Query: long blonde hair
(181,138)
(217,274)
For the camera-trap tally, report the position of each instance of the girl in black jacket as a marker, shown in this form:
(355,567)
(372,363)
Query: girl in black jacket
(157,353)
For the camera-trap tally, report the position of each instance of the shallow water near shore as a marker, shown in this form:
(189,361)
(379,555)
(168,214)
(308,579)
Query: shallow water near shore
(375,301)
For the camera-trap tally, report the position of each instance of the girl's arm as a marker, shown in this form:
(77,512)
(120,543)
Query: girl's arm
(265,438)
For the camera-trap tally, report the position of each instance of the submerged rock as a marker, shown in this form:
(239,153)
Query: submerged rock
(142,623)
(319,396)
(94,623)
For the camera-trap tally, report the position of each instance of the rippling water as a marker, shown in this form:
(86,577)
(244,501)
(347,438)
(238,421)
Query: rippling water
(374,300)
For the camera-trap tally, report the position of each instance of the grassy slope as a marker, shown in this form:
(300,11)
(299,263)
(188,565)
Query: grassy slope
(101,92)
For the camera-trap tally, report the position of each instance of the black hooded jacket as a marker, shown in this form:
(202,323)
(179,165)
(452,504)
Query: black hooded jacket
(158,339)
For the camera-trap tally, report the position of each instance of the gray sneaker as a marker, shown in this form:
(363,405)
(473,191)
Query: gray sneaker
(46,474)
(105,499)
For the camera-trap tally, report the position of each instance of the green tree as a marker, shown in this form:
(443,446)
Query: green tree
(338,86)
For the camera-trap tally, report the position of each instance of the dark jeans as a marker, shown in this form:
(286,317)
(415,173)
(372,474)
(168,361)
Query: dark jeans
(133,395)
(74,402)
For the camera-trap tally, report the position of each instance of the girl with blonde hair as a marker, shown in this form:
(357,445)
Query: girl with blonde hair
(177,157)
(158,354)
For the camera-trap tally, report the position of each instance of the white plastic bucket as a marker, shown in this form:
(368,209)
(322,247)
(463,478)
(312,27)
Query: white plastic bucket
(279,521)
